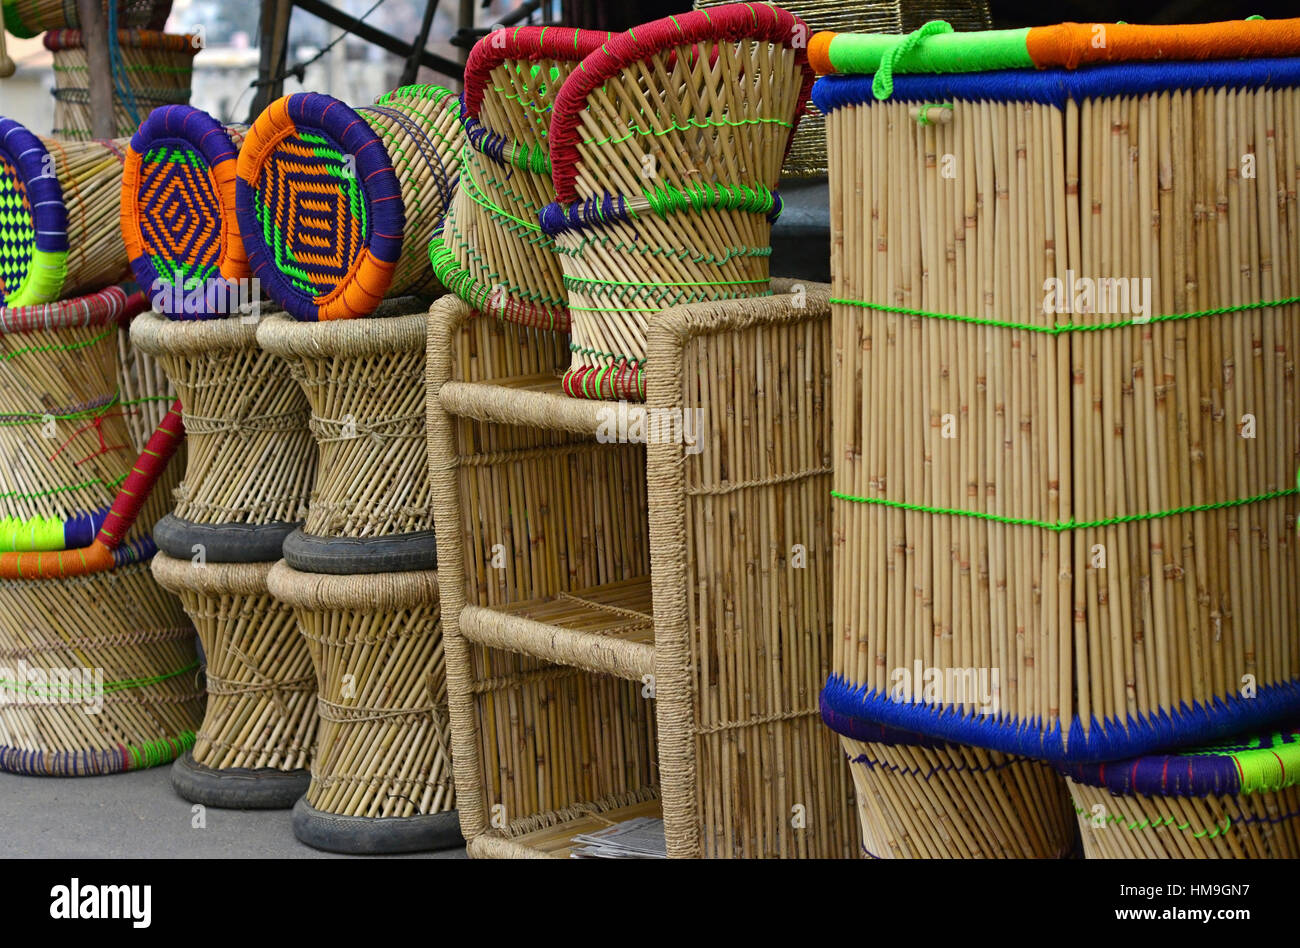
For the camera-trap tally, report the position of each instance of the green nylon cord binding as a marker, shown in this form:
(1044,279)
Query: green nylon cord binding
(1064,525)
(882,85)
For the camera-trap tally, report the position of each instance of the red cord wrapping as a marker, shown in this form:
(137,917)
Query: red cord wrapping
(732,22)
(529,43)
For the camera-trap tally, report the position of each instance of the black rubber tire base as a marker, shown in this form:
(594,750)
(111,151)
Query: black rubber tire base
(238,788)
(370,835)
(222,542)
(345,556)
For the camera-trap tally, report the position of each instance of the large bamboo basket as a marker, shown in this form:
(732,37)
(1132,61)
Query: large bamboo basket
(58,210)
(337,206)
(178,214)
(1231,800)
(921,799)
(807,155)
(490,249)
(28,18)
(1098,507)
(666,147)
(75,592)
(381,772)
(251,456)
(256,739)
(150,69)
(363,379)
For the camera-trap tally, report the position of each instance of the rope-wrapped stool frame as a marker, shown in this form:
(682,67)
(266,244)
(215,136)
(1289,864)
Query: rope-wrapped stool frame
(666,146)
(336,206)
(383,752)
(260,720)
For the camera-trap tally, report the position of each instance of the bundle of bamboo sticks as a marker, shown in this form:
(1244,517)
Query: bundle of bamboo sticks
(155,69)
(677,154)
(1124,538)
(251,457)
(261,687)
(954,802)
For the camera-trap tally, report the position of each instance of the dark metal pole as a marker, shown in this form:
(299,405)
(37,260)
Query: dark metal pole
(412,68)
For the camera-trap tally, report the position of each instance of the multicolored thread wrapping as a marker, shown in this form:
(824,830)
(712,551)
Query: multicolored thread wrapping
(178,210)
(322,209)
(935,48)
(489,250)
(685,161)
(33,220)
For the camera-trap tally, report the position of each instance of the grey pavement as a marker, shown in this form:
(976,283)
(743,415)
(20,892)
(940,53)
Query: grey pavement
(138,816)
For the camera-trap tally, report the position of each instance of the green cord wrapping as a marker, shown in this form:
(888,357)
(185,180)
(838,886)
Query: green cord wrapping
(751,199)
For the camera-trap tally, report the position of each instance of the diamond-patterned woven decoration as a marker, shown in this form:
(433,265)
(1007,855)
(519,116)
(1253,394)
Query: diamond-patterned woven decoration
(17,233)
(320,208)
(311,212)
(178,211)
(181,215)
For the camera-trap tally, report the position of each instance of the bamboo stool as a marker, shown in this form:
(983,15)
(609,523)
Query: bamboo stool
(1037,473)
(150,69)
(666,147)
(369,510)
(251,456)
(490,250)
(923,799)
(253,747)
(337,206)
(381,773)
(58,216)
(76,597)
(178,214)
(28,18)
(1233,800)
(628,636)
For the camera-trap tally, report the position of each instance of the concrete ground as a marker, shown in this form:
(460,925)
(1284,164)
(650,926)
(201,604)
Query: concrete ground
(138,816)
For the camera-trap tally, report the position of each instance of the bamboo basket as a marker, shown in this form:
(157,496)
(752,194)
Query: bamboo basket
(666,147)
(178,214)
(337,206)
(150,69)
(920,799)
(58,212)
(76,597)
(255,742)
(251,456)
(363,379)
(28,18)
(490,250)
(807,155)
(701,578)
(381,773)
(1097,506)
(1235,799)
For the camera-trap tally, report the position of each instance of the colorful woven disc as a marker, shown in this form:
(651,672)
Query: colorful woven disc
(320,208)
(178,208)
(33,220)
